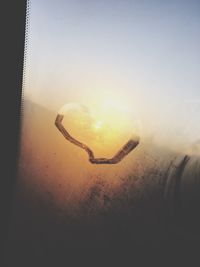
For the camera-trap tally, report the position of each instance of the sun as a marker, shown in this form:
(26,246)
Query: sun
(104,129)
(98,125)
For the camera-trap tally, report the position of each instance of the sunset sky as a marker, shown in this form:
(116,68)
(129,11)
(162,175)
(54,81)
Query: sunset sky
(143,54)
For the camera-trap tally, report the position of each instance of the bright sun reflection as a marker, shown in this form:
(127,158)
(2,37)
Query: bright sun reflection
(104,128)
(98,125)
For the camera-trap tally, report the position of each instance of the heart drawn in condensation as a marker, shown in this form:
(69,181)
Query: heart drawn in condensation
(132,142)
